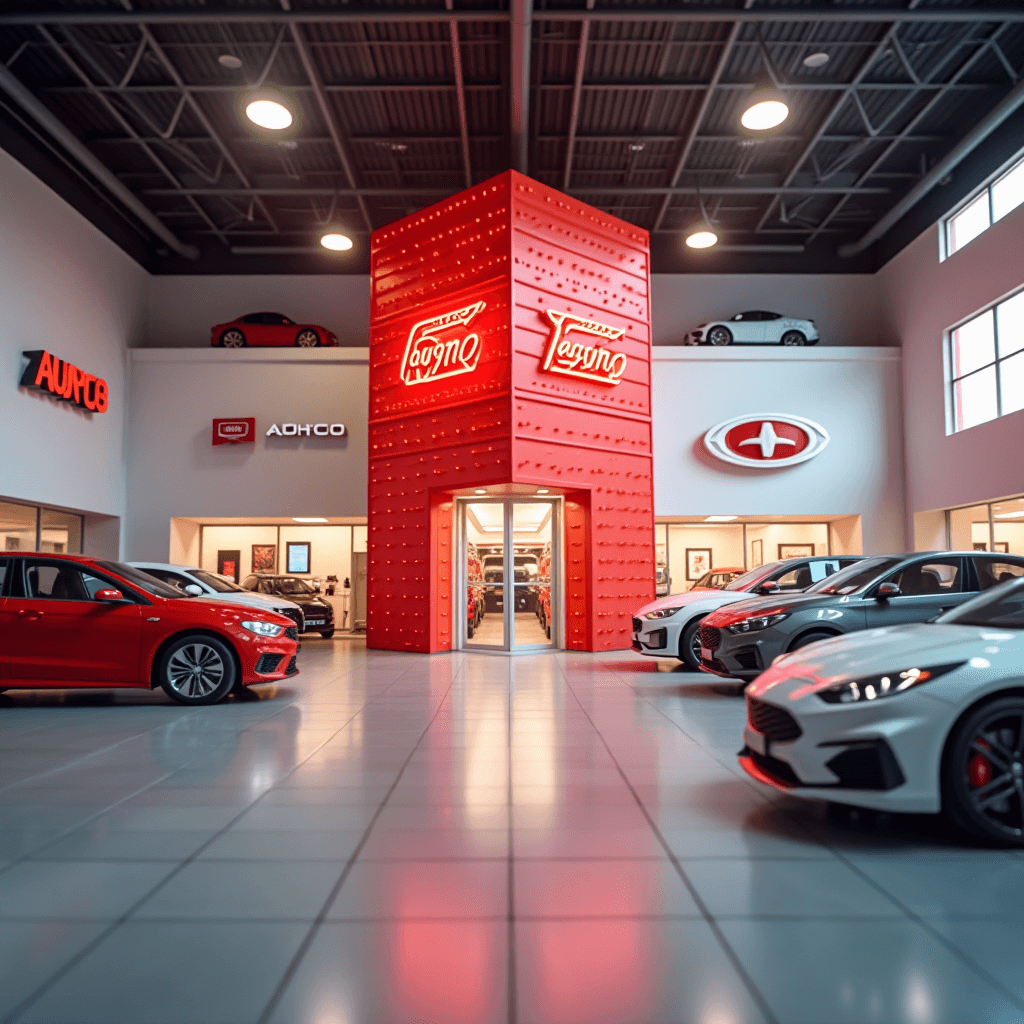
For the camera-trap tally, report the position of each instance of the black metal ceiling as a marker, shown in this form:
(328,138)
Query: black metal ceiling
(628,104)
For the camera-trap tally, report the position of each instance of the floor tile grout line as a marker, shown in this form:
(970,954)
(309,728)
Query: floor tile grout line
(706,914)
(65,968)
(318,922)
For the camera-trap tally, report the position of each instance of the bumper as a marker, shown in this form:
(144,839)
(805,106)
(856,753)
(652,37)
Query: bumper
(658,638)
(883,758)
(269,661)
(744,655)
(316,621)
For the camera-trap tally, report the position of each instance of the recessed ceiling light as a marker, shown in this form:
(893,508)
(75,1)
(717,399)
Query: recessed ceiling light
(336,241)
(308,519)
(1009,515)
(701,236)
(268,112)
(765,109)
(720,519)
(480,490)
(542,490)
(636,147)
(229,61)
(816,60)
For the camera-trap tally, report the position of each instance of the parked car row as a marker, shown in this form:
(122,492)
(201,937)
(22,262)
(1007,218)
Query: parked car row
(893,683)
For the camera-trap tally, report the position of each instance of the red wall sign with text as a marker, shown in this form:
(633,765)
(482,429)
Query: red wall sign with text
(65,381)
(236,431)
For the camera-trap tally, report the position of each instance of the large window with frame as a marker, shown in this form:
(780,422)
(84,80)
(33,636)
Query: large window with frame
(994,202)
(986,363)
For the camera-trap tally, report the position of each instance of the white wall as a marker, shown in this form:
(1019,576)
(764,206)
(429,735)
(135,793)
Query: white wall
(181,310)
(921,299)
(844,307)
(774,534)
(853,393)
(174,470)
(67,288)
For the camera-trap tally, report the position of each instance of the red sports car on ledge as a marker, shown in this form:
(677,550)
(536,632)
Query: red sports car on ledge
(70,621)
(269,329)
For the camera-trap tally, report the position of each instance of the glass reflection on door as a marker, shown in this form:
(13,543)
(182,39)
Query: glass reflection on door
(531,580)
(484,547)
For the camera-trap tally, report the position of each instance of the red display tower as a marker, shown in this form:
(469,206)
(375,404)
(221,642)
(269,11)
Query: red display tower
(510,349)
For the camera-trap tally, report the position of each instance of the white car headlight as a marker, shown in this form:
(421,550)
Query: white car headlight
(263,628)
(856,691)
(663,613)
(756,622)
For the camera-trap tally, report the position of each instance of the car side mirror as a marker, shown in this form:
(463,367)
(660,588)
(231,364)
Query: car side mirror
(887,590)
(194,589)
(768,587)
(109,595)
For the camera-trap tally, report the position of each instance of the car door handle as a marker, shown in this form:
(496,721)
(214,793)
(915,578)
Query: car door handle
(29,613)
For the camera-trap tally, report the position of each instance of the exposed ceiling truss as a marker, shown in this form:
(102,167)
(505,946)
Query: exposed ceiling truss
(631,107)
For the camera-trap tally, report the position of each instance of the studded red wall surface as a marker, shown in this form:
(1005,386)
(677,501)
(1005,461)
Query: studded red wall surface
(509,345)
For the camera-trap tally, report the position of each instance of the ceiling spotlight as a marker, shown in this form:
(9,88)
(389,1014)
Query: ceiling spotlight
(229,61)
(335,240)
(720,519)
(308,519)
(542,490)
(701,236)
(765,109)
(636,147)
(480,490)
(268,112)
(816,60)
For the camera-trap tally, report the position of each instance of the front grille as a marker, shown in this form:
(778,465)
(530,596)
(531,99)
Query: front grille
(869,765)
(291,632)
(748,659)
(775,723)
(638,624)
(268,664)
(292,613)
(292,668)
(657,639)
(710,637)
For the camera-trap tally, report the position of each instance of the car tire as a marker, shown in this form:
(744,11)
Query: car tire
(999,726)
(470,630)
(793,338)
(307,338)
(197,669)
(232,338)
(547,629)
(810,638)
(327,633)
(719,336)
(687,655)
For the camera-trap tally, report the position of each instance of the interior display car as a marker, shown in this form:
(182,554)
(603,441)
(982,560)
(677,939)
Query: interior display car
(667,627)
(662,580)
(717,579)
(755,327)
(72,621)
(317,611)
(202,583)
(270,329)
(526,571)
(918,718)
(742,641)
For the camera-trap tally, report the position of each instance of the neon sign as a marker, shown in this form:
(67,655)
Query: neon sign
(574,359)
(65,381)
(437,347)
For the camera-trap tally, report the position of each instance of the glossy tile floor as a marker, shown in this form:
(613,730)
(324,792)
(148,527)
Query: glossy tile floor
(467,838)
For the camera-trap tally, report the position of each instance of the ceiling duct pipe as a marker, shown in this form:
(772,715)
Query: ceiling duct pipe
(978,134)
(80,152)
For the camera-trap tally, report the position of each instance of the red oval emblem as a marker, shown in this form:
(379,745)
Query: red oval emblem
(771,441)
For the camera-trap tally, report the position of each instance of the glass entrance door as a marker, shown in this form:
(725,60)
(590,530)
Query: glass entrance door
(508,591)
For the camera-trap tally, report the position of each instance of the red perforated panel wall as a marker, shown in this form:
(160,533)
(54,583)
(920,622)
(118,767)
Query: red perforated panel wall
(509,344)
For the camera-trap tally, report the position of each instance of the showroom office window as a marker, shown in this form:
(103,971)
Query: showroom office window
(34,528)
(993,526)
(986,365)
(994,202)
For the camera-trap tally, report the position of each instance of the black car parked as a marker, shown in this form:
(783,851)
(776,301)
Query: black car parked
(319,613)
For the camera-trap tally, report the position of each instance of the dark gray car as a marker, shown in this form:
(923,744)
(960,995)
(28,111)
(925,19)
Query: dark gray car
(742,640)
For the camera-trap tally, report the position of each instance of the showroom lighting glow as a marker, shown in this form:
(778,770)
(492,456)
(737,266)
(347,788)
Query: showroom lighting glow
(336,241)
(720,519)
(815,60)
(702,236)
(766,109)
(308,519)
(1009,515)
(229,61)
(268,113)
(480,490)
(542,490)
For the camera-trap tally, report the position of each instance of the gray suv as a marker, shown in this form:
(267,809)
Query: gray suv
(742,640)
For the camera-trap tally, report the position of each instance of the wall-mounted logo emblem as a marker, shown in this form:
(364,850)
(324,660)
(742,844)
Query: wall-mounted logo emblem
(65,381)
(769,441)
(440,347)
(574,358)
(237,431)
(306,430)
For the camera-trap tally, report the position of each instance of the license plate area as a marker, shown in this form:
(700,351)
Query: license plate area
(314,622)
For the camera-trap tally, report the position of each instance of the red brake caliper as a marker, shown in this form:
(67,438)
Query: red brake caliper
(979,770)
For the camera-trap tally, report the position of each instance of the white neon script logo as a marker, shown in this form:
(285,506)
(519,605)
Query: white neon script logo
(433,352)
(574,359)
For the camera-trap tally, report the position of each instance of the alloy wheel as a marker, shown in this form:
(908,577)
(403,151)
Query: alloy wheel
(994,772)
(195,670)
(232,339)
(695,646)
(307,339)
(719,336)
(793,338)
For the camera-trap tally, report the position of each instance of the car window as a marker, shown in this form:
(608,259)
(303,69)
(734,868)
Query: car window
(266,587)
(60,581)
(941,576)
(172,579)
(292,585)
(823,569)
(754,576)
(215,582)
(798,578)
(250,582)
(743,316)
(704,581)
(765,315)
(856,576)
(3,575)
(992,572)
(252,318)
(137,578)
(1000,607)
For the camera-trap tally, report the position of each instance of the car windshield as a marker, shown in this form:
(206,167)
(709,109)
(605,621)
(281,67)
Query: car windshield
(749,579)
(218,583)
(854,577)
(291,585)
(1002,607)
(137,578)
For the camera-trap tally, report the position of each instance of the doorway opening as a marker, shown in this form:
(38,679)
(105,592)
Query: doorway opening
(509,589)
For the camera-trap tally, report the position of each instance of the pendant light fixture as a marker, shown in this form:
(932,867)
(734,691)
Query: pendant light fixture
(268,110)
(765,108)
(701,234)
(336,240)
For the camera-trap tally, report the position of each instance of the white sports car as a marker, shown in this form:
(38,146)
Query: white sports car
(919,718)
(755,327)
(667,627)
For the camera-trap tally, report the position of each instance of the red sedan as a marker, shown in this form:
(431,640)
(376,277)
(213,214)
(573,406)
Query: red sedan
(270,329)
(70,621)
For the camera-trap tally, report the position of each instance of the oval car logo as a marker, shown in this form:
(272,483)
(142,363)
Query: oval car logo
(768,441)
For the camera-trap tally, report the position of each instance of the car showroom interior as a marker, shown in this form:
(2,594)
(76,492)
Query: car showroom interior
(511,512)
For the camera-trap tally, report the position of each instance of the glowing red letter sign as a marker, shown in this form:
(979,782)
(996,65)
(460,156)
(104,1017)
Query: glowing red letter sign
(63,380)
(574,359)
(430,356)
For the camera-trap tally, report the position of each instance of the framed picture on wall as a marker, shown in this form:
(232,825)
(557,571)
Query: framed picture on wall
(297,556)
(264,557)
(698,562)
(756,553)
(796,551)
(1001,545)
(980,545)
(229,563)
